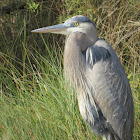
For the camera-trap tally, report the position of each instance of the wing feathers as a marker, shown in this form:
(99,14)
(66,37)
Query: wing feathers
(96,54)
(112,92)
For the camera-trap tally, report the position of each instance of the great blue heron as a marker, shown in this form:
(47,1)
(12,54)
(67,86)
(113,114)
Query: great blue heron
(92,66)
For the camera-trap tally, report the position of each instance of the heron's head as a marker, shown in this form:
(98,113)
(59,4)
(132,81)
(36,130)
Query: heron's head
(75,24)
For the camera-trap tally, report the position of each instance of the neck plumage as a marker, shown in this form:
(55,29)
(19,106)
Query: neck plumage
(74,61)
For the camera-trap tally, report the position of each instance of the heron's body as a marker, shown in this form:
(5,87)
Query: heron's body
(103,91)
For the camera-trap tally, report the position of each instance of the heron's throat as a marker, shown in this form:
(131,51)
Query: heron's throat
(74,61)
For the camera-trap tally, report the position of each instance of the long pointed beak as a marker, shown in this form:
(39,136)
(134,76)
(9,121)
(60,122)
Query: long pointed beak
(57,29)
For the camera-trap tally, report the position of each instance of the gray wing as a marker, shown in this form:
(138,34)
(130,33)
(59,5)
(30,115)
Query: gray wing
(111,90)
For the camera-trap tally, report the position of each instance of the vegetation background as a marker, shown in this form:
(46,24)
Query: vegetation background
(35,101)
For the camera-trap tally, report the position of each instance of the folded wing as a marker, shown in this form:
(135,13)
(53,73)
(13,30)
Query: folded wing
(111,90)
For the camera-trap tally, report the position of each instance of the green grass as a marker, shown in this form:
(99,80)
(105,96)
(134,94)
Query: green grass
(35,101)
(39,105)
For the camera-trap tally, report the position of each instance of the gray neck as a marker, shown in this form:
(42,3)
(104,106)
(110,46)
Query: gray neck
(74,61)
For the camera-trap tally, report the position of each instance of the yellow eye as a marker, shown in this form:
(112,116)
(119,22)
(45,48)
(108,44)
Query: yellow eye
(76,24)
